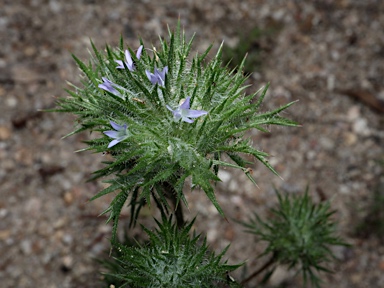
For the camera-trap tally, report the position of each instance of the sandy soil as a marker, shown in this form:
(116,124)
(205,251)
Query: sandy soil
(327,54)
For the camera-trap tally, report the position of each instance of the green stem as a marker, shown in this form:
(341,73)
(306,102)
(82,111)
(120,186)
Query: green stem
(258,271)
(177,206)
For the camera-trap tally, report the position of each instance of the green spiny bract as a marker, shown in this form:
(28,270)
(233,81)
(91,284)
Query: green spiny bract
(299,234)
(171,259)
(158,154)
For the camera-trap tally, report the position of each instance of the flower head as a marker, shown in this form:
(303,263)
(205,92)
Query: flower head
(119,135)
(158,76)
(107,85)
(128,60)
(184,113)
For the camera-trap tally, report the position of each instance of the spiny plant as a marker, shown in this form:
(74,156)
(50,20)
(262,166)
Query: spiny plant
(299,233)
(171,259)
(158,140)
(168,120)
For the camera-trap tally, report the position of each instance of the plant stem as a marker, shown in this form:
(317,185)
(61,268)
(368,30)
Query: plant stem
(179,214)
(177,205)
(258,271)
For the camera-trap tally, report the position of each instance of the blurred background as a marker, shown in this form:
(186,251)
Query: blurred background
(328,54)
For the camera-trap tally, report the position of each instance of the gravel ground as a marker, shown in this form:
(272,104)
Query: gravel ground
(327,54)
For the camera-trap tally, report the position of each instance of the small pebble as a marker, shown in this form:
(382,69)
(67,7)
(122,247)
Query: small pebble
(4,234)
(60,223)
(5,133)
(68,198)
(67,239)
(67,262)
(26,247)
(360,126)
(11,102)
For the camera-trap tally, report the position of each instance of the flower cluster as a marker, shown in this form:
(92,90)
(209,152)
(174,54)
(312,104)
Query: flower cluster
(182,112)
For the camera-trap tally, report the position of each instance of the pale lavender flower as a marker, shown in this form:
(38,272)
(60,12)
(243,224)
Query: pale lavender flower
(107,85)
(128,60)
(119,135)
(158,77)
(184,113)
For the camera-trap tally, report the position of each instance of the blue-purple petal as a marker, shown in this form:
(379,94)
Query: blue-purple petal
(113,143)
(128,59)
(112,134)
(109,88)
(138,53)
(119,135)
(121,64)
(104,87)
(177,114)
(117,126)
(151,77)
(121,138)
(128,62)
(158,76)
(161,75)
(185,119)
(195,113)
(185,113)
(165,71)
(106,80)
(185,104)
